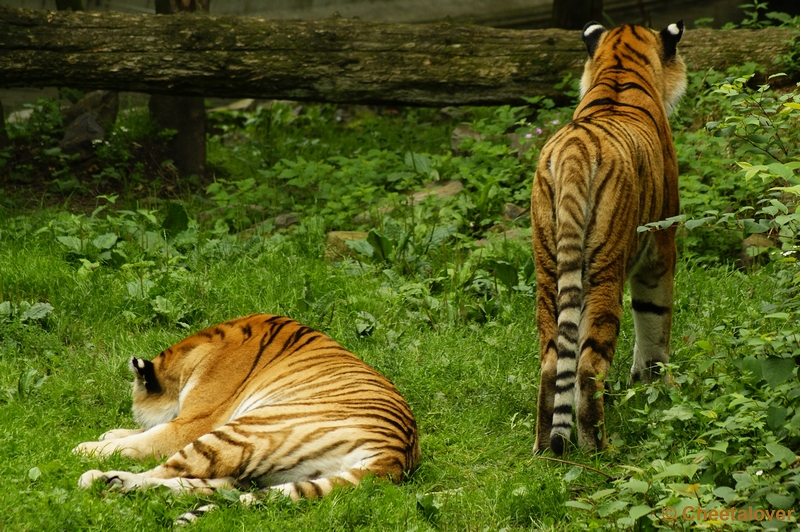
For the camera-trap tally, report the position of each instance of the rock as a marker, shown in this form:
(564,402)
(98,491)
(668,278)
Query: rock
(521,143)
(511,212)
(759,242)
(247,104)
(104,105)
(518,233)
(285,219)
(438,189)
(453,113)
(20,117)
(342,115)
(79,136)
(336,247)
(461,133)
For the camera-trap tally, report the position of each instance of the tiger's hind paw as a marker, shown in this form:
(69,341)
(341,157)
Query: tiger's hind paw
(87,479)
(115,480)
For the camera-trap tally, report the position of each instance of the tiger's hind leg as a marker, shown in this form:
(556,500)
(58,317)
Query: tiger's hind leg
(600,325)
(651,287)
(308,489)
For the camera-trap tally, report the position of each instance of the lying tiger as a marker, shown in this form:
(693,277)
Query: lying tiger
(260,401)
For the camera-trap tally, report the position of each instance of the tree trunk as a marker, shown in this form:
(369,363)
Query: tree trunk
(573,14)
(3,132)
(64,5)
(184,114)
(333,60)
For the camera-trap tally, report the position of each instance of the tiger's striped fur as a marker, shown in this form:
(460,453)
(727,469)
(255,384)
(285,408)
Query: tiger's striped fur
(263,401)
(611,169)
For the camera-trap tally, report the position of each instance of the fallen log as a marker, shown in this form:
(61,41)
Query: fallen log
(331,60)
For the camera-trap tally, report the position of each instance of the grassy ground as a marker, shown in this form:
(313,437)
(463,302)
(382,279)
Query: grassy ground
(93,271)
(472,387)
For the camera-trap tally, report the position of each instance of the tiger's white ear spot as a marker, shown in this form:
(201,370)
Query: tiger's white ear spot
(674,29)
(140,363)
(593,28)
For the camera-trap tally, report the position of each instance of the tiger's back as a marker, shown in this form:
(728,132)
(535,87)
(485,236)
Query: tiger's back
(262,400)
(610,170)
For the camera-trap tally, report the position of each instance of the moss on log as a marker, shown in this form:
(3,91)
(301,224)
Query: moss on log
(332,60)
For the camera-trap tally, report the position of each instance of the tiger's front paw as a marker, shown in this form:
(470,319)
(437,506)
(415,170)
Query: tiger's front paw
(99,449)
(116,434)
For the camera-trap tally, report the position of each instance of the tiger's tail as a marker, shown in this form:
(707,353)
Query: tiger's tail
(572,203)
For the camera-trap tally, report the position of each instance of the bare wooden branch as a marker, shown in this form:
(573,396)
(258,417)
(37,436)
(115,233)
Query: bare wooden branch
(334,60)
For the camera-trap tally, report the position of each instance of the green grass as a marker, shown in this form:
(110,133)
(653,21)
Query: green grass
(471,385)
(452,324)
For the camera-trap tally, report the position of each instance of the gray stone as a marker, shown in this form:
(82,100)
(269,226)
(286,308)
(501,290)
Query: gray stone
(439,190)
(511,212)
(462,133)
(104,105)
(79,136)
(285,220)
(336,247)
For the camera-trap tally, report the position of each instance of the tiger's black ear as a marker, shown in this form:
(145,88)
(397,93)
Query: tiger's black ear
(591,36)
(671,36)
(145,372)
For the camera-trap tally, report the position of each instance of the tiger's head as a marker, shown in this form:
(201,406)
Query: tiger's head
(154,402)
(632,47)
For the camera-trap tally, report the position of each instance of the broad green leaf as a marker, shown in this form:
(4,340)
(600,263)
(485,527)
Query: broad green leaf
(681,412)
(34,473)
(381,245)
(705,345)
(695,223)
(636,486)
(506,273)
(781,170)
(573,473)
(176,221)
(105,241)
(776,416)
(781,453)
(578,504)
(751,226)
(362,247)
(721,446)
(777,370)
(726,493)
(778,315)
(140,289)
(365,323)
(596,496)
(72,242)
(37,311)
(780,501)
(677,470)
(639,511)
(757,139)
(611,508)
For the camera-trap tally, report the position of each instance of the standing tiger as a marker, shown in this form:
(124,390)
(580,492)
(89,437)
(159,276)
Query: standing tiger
(263,401)
(610,170)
